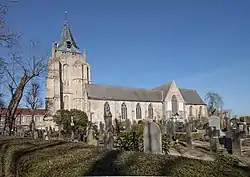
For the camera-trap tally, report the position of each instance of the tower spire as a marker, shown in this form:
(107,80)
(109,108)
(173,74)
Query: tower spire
(67,42)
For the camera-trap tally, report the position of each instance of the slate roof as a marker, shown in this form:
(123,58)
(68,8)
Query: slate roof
(119,93)
(66,35)
(101,92)
(191,96)
(165,88)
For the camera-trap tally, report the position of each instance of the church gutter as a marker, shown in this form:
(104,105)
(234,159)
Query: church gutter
(110,99)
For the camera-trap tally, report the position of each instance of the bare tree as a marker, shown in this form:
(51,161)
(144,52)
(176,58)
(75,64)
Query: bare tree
(214,103)
(7,37)
(1,101)
(33,101)
(19,71)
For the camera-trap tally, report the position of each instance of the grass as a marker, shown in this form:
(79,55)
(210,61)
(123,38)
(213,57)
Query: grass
(31,158)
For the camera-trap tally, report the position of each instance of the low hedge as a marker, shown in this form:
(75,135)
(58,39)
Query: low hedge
(133,140)
(29,158)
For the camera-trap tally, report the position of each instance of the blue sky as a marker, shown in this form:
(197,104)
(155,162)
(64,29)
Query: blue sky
(145,43)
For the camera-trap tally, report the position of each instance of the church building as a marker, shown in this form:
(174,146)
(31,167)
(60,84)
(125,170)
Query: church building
(69,86)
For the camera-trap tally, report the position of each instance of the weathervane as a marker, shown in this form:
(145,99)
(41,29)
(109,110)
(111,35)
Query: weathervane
(66,16)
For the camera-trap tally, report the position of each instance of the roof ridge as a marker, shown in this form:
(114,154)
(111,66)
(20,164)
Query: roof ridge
(187,89)
(164,85)
(123,87)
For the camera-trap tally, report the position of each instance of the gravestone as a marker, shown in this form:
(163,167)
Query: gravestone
(128,125)
(108,140)
(101,127)
(117,126)
(108,122)
(40,134)
(46,137)
(214,121)
(245,131)
(90,137)
(36,135)
(237,142)
(101,131)
(213,139)
(228,141)
(152,138)
(188,135)
(169,128)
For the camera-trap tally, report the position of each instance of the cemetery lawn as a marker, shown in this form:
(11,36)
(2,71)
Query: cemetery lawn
(34,158)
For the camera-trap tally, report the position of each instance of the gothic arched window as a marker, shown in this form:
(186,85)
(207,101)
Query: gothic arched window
(174,105)
(65,74)
(124,111)
(106,109)
(138,111)
(150,111)
(66,102)
(200,111)
(190,110)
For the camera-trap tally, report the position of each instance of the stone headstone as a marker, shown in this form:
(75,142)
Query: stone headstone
(245,131)
(188,135)
(170,128)
(213,139)
(40,134)
(237,142)
(214,121)
(228,145)
(50,132)
(241,127)
(101,127)
(46,137)
(90,137)
(152,138)
(108,122)
(36,135)
(128,124)
(108,140)
(213,144)
(117,126)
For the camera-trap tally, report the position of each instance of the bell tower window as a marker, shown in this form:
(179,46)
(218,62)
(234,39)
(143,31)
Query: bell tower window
(68,43)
